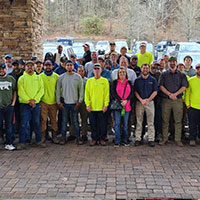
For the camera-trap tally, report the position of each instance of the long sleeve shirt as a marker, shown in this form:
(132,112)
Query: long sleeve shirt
(97,93)
(70,88)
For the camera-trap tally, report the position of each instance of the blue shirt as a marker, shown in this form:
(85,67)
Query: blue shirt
(60,70)
(113,68)
(105,73)
(145,87)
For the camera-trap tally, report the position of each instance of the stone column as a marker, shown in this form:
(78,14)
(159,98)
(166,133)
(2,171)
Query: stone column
(21,28)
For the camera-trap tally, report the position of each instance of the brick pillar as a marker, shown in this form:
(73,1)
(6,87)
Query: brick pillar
(21,28)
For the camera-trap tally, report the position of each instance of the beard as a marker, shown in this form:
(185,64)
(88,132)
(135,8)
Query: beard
(145,73)
(2,75)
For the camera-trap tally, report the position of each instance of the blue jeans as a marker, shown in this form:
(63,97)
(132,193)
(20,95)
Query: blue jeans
(65,119)
(27,113)
(7,114)
(117,117)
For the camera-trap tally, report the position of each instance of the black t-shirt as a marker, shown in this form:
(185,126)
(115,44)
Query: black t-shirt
(87,57)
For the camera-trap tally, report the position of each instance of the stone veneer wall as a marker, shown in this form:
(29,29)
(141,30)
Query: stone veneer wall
(21,28)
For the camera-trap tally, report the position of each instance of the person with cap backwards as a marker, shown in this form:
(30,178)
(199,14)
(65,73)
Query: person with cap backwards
(172,83)
(97,104)
(48,101)
(70,88)
(89,66)
(38,66)
(16,73)
(112,50)
(7,102)
(123,52)
(30,91)
(192,101)
(8,63)
(133,65)
(86,56)
(144,56)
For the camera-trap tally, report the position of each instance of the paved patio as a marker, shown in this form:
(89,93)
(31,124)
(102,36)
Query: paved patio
(84,172)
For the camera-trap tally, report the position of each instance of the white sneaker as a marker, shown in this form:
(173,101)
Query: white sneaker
(9,147)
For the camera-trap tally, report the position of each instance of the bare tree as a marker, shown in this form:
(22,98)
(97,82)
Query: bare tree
(188,18)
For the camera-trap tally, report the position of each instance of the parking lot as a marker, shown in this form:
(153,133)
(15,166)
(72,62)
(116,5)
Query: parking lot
(84,172)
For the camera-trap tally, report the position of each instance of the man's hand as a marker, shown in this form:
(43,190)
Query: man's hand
(105,108)
(88,108)
(188,107)
(60,105)
(78,104)
(32,103)
(172,97)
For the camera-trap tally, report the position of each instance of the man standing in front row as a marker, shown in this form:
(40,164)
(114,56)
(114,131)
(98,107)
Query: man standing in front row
(172,84)
(30,91)
(146,89)
(192,101)
(70,90)
(7,102)
(97,101)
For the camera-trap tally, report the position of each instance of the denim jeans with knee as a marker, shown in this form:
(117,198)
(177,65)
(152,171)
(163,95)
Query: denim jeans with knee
(7,114)
(27,113)
(65,119)
(117,117)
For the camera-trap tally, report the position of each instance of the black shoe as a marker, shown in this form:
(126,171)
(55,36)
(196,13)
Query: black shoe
(79,142)
(137,143)
(84,138)
(151,144)
(126,144)
(71,138)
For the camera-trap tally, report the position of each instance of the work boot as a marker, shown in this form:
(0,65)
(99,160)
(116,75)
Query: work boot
(55,140)
(192,143)
(163,142)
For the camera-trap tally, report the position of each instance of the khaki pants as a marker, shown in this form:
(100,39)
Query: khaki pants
(149,109)
(50,111)
(177,107)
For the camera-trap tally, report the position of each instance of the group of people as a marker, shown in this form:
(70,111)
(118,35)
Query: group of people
(113,91)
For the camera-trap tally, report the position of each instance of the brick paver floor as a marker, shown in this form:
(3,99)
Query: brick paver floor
(84,172)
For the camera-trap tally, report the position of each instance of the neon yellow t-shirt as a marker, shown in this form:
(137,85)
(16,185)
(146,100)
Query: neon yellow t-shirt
(147,57)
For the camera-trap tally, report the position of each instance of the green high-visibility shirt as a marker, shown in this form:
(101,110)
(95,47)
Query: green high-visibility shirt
(147,57)
(192,96)
(50,82)
(97,93)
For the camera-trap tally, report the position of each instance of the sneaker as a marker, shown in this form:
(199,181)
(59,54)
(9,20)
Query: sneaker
(126,144)
(9,147)
(192,143)
(151,143)
(103,143)
(92,143)
(84,138)
(163,142)
(117,144)
(79,142)
(137,143)
(179,143)
(71,138)
(21,146)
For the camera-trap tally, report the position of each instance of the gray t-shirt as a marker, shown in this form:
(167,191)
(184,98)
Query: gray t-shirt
(7,87)
(89,68)
(70,88)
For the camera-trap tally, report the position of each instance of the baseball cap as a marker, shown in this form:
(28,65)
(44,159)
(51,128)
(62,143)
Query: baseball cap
(16,62)
(86,45)
(96,65)
(155,62)
(8,56)
(143,44)
(172,58)
(38,61)
(48,62)
(69,61)
(197,66)
(29,62)
(2,65)
(73,55)
(134,57)
(123,47)
(112,43)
